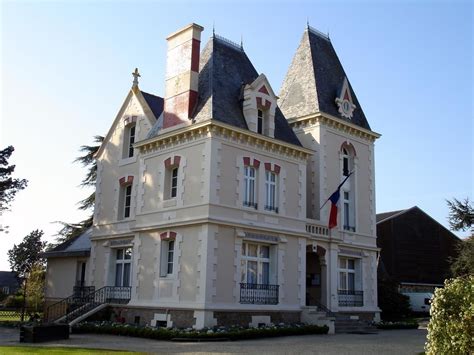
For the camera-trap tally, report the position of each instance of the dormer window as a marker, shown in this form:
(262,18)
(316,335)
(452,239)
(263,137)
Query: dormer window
(260,121)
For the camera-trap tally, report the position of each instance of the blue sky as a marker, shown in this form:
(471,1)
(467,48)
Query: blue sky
(66,69)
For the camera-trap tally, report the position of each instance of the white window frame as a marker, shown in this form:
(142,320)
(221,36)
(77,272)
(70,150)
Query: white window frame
(250,187)
(260,261)
(168,256)
(345,271)
(260,121)
(271,191)
(174,182)
(122,261)
(127,200)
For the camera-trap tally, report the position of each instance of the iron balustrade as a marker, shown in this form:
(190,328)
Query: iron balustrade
(271,208)
(258,293)
(350,298)
(80,303)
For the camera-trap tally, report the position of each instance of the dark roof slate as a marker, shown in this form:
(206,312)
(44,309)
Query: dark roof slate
(386,215)
(79,245)
(8,278)
(223,71)
(155,103)
(314,81)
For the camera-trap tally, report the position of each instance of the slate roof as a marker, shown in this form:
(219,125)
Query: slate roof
(77,246)
(223,71)
(387,215)
(156,103)
(8,278)
(315,79)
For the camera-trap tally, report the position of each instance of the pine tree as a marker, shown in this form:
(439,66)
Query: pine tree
(71,230)
(9,186)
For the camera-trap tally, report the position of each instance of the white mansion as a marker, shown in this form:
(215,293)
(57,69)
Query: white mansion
(208,201)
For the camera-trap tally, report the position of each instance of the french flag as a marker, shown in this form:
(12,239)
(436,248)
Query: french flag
(334,198)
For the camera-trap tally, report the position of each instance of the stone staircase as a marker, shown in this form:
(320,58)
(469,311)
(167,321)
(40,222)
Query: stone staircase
(318,316)
(350,324)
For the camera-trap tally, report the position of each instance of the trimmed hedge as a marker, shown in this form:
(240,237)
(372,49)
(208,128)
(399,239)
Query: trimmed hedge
(397,325)
(217,333)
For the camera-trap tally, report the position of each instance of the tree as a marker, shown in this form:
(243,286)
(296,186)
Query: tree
(463,264)
(9,186)
(461,214)
(23,259)
(71,230)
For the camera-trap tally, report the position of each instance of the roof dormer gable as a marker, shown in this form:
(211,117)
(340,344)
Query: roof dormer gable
(259,106)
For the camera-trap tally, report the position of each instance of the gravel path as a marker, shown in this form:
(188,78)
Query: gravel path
(385,342)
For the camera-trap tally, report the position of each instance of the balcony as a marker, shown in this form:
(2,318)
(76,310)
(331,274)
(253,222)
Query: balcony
(258,294)
(316,229)
(350,298)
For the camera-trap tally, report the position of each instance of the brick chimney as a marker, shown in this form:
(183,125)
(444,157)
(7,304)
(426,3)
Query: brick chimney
(182,70)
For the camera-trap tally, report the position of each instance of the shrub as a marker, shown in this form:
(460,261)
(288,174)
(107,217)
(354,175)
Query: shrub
(14,301)
(398,325)
(232,333)
(451,328)
(393,304)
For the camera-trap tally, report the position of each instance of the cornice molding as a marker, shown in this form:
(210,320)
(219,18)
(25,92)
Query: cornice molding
(212,128)
(334,122)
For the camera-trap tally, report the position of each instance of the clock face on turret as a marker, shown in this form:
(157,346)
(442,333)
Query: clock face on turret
(344,101)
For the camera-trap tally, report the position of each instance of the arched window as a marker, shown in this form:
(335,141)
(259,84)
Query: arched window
(348,189)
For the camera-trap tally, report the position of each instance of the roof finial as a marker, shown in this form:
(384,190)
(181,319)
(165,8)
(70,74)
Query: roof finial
(213,29)
(242,41)
(136,75)
(307,23)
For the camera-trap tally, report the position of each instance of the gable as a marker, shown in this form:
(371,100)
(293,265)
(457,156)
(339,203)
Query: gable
(138,106)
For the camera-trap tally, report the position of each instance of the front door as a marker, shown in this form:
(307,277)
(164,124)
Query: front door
(313,279)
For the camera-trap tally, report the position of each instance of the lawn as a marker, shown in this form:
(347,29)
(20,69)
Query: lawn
(57,350)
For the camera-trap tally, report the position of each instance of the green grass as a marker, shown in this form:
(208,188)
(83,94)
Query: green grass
(4,316)
(57,350)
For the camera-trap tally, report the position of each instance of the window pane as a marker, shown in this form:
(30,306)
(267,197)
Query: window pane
(128,253)
(264,251)
(351,281)
(243,271)
(342,281)
(346,214)
(342,263)
(350,264)
(118,275)
(126,274)
(252,272)
(252,249)
(265,279)
(119,254)
(170,268)
(243,248)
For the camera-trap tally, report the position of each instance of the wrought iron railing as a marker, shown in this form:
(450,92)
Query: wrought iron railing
(349,298)
(251,204)
(77,305)
(258,293)
(271,208)
(82,291)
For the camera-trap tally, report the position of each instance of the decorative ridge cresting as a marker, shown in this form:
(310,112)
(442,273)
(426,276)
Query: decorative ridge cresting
(318,33)
(229,42)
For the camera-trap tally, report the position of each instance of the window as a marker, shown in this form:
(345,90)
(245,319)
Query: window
(346,274)
(129,138)
(123,264)
(259,121)
(271,191)
(167,257)
(127,201)
(345,162)
(255,263)
(174,182)
(346,210)
(249,187)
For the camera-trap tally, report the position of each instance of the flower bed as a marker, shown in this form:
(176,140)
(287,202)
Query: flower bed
(221,333)
(398,325)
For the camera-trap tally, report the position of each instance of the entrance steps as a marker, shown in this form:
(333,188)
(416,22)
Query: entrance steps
(317,316)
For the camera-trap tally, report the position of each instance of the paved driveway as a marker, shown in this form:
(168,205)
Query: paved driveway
(385,342)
